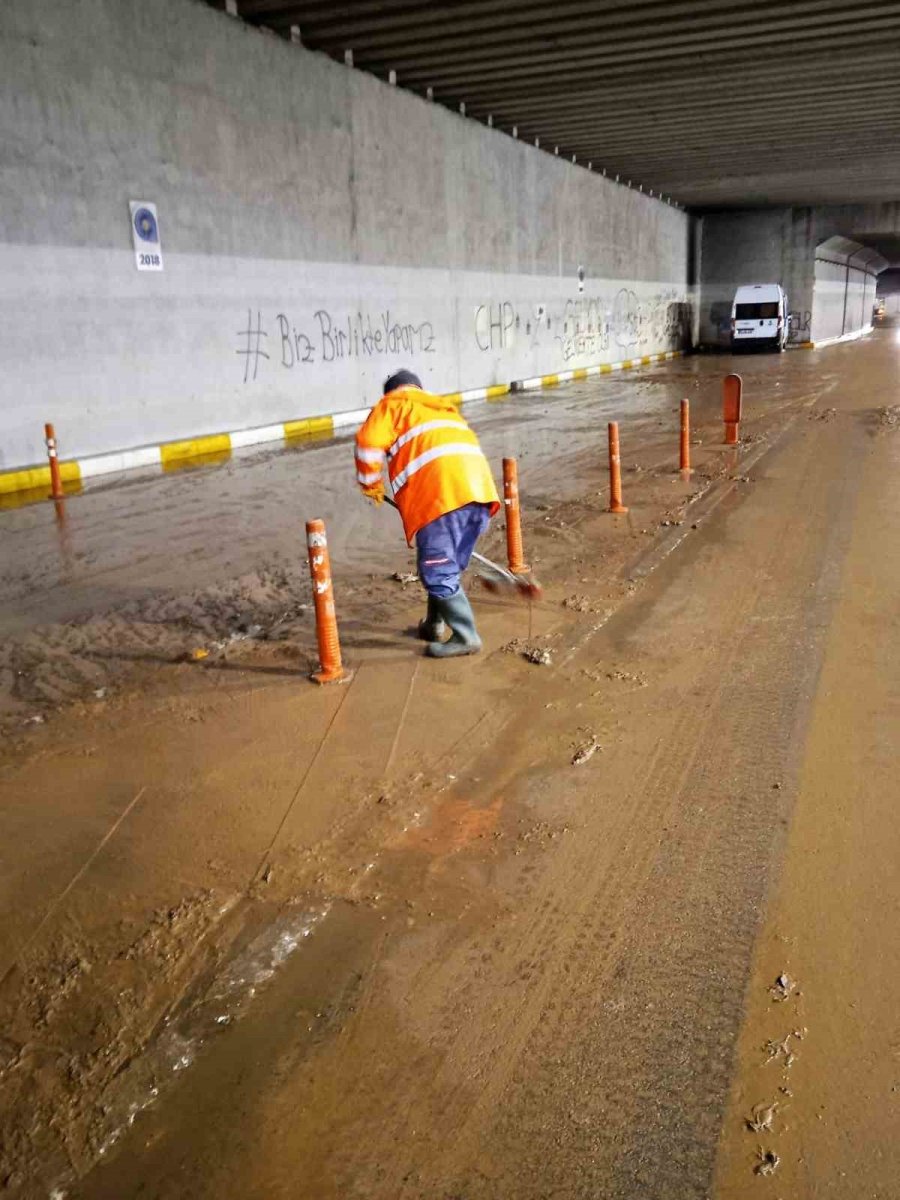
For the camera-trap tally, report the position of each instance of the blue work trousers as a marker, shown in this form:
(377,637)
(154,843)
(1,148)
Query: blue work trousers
(444,547)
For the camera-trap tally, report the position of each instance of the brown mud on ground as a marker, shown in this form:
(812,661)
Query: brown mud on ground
(819,1054)
(139,574)
(386,939)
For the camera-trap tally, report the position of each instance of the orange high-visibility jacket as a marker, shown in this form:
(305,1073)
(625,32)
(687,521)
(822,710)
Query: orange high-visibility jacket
(435,464)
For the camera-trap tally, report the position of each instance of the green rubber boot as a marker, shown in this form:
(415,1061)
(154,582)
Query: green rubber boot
(432,627)
(457,612)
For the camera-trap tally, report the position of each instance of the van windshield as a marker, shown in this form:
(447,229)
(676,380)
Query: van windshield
(757,312)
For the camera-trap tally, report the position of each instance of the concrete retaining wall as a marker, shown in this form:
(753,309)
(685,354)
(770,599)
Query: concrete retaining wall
(319,229)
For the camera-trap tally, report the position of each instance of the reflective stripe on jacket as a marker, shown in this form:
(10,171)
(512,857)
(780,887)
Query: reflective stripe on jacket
(434,462)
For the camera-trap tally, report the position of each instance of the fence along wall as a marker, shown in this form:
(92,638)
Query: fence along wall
(319,229)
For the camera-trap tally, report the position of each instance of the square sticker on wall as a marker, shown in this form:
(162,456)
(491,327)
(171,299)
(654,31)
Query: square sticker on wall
(145,236)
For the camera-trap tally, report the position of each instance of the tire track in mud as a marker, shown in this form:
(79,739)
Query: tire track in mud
(656,1152)
(612,894)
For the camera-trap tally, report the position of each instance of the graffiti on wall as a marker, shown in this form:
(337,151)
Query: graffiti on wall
(587,326)
(327,338)
(495,325)
(798,326)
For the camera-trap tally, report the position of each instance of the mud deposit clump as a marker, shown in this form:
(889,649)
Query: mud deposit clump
(54,664)
(889,418)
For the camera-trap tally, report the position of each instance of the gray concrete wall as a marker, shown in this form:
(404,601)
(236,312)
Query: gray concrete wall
(319,229)
(757,246)
(778,245)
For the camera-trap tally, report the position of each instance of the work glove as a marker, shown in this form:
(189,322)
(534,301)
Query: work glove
(375,492)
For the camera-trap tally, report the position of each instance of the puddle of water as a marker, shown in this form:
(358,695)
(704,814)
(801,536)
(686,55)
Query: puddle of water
(185,1037)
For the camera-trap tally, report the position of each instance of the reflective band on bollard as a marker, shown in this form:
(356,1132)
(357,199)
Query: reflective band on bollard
(330,668)
(732,390)
(685,457)
(56,487)
(514,552)
(615,471)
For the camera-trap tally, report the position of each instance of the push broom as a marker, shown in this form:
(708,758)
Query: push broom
(499,579)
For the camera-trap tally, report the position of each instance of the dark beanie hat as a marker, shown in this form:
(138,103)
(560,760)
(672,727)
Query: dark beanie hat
(401,379)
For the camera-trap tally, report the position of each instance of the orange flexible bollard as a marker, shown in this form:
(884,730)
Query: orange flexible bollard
(330,667)
(56,487)
(615,471)
(732,390)
(514,552)
(685,456)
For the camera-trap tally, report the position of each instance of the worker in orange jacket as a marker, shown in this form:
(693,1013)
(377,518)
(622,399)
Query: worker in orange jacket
(442,485)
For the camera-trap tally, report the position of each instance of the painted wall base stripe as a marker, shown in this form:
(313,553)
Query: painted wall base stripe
(218,447)
(539,381)
(194,447)
(124,460)
(28,479)
(256,437)
(348,420)
(843,337)
(309,427)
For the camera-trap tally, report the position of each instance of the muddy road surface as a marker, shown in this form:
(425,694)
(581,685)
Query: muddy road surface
(481,929)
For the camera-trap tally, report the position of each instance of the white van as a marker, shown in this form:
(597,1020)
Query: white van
(759,316)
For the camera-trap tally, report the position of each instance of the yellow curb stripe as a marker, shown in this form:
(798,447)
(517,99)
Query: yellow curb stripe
(648,359)
(217,447)
(30,478)
(216,443)
(309,427)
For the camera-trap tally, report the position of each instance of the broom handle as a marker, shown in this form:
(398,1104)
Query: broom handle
(479,558)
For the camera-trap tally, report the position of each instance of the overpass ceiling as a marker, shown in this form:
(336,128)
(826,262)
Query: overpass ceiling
(712,102)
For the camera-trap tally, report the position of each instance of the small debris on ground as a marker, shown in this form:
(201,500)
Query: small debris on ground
(627,677)
(197,655)
(827,414)
(577,603)
(586,750)
(775,1049)
(889,418)
(268,873)
(538,655)
(768,1162)
(530,651)
(405,578)
(782,988)
(37,719)
(761,1118)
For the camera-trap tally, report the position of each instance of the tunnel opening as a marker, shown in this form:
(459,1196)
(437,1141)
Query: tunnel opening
(845,279)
